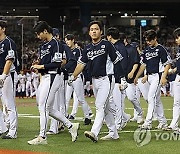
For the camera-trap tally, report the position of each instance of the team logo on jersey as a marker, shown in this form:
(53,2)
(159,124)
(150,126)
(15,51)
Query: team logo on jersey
(103,46)
(44,53)
(49,46)
(151,55)
(93,54)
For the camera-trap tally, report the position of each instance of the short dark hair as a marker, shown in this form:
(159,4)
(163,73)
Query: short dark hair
(114,32)
(3,24)
(150,34)
(41,26)
(95,22)
(176,32)
(56,32)
(70,37)
(122,36)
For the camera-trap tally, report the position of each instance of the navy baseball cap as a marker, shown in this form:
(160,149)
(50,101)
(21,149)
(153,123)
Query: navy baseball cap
(56,32)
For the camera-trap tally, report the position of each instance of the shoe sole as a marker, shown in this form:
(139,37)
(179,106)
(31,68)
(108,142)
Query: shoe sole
(90,137)
(108,139)
(37,144)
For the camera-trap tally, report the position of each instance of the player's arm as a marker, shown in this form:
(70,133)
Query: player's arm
(6,70)
(7,66)
(164,74)
(140,71)
(79,68)
(131,74)
(166,60)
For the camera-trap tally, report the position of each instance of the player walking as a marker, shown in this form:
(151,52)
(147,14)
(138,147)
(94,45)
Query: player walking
(100,53)
(50,59)
(121,118)
(153,54)
(176,86)
(78,85)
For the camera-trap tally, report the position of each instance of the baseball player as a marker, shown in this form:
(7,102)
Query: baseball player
(133,66)
(121,118)
(78,85)
(68,66)
(21,84)
(102,55)
(8,66)
(176,87)
(35,82)
(29,87)
(153,55)
(50,59)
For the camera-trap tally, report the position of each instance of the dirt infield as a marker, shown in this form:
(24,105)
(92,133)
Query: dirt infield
(19,152)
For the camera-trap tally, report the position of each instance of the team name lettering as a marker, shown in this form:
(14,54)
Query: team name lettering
(95,53)
(150,55)
(44,53)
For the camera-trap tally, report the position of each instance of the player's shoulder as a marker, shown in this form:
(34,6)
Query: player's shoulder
(8,40)
(161,47)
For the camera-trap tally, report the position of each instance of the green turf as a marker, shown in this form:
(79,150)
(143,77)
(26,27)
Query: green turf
(61,143)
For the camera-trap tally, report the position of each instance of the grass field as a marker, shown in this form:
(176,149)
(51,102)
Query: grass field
(28,127)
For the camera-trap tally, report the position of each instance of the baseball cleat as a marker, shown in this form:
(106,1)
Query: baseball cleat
(37,141)
(91,135)
(51,133)
(74,131)
(162,126)
(8,137)
(71,117)
(145,126)
(139,120)
(87,121)
(91,115)
(107,138)
(133,119)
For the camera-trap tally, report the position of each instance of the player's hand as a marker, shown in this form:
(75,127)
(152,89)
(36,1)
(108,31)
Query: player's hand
(2,79)
(36,62)
(37,67)
(144,79)
(163,81)
(123,85)
(71,78)
(130,75)
(136,81)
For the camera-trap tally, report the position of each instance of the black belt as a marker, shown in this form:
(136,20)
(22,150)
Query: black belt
(97,77)
(151,73)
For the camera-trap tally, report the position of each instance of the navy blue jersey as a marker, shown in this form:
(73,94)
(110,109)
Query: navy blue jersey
(133,58)
(71,60)
(122,49)
(152,57)
(8,51)
(178,61)
(97,55)
(86,73)
(50,55)
(76,52)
